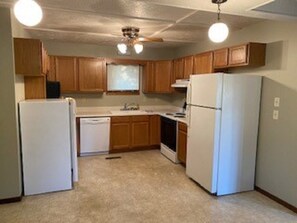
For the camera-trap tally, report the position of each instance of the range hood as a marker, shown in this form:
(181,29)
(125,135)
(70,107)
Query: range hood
(182,83)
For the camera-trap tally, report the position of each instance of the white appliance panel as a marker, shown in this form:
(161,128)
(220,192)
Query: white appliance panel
(46,149)
(240,116)
(203,146)
(94,134)
(206,90)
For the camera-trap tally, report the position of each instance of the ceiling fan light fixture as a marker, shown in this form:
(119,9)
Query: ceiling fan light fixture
(28,12)
(138,48)
(122,47)
(219,31)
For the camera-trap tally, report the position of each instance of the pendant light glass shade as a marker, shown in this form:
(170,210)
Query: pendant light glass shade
(218,32)
(138,48)
(122,47)
(28,12)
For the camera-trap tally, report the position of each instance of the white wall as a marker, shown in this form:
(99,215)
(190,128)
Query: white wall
(10,174)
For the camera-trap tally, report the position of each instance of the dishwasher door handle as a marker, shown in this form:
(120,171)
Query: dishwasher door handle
(94,122)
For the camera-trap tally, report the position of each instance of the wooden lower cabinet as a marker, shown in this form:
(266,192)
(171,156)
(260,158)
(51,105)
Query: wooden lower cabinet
(155,130)
(120,132)
(139,131)
(133,133)
(182,143)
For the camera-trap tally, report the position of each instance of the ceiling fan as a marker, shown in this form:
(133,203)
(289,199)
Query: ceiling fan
(131,38)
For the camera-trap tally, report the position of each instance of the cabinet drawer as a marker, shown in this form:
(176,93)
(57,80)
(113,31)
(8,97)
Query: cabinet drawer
(182,127)
(116,119)
(140,118)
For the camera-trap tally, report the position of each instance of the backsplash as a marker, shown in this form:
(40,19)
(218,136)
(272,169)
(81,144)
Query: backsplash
(103,100)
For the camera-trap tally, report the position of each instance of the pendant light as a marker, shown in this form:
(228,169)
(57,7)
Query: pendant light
(219,31)
(28,12)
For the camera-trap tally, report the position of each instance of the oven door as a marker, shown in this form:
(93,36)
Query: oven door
(168,133)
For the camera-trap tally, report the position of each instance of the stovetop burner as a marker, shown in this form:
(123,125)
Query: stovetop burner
(177,114)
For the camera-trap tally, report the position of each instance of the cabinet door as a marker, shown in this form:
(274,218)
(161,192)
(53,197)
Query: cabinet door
(120,135)
(178,68)
(139,130)
(51,76)
(35,87)
(45,60)
(139,134)
(91,74)
(182,143)
(28,56)
(188,66)
(148,78)
(155,130)
(163,72)
(203,63)
(238,55)
(220,58)
(66,73)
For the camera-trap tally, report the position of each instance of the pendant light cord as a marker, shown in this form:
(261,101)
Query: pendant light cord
(219,11)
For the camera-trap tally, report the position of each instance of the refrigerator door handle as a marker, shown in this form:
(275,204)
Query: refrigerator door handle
(189,93)
(189,117)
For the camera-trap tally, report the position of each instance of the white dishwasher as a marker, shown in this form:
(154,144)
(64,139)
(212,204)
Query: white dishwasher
(94,135)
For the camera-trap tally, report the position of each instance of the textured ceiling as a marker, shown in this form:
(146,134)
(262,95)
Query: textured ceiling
(178,22)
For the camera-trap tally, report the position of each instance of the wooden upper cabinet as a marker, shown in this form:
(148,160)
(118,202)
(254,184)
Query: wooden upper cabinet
(188,66)
(51,76)
(238,55)
(66,73)
(148,77)
(203,63)
(35,87)
(249,54)
(91,74)
(178,68)
(163,73)
(220,58)
(30,57)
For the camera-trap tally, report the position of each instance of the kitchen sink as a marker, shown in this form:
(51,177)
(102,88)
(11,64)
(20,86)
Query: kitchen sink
(128,112)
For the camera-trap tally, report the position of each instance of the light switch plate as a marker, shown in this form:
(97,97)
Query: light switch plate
(276,102)
(275,115)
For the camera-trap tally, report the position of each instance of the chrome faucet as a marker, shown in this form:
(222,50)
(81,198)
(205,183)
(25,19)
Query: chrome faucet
(131,106)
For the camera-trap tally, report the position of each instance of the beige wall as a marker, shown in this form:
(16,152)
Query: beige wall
(10,177)
(94,100)
(93,50)
(277,153)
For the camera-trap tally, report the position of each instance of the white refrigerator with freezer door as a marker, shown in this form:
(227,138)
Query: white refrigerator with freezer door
(48,140)
(222,132)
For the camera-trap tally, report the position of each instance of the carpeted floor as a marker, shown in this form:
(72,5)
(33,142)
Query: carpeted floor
(141,187)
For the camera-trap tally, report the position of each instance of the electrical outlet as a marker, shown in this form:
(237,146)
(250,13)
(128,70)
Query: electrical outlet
(275,115)
(276,101)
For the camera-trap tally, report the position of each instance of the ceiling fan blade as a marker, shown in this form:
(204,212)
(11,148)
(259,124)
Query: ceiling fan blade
(149,39)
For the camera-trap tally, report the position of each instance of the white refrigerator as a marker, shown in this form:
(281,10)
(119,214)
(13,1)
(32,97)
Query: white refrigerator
(48,142)
(223,115)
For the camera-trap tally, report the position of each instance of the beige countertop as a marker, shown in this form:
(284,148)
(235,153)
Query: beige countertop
(115,111)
